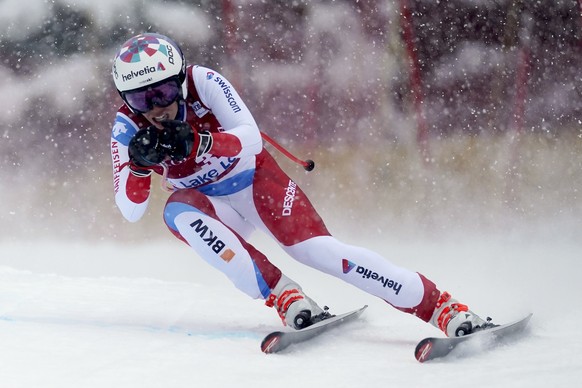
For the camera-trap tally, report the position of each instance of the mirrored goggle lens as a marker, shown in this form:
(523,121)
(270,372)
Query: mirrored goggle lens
(161,95)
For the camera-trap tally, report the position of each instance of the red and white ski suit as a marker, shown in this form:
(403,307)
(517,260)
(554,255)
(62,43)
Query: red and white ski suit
(219,201)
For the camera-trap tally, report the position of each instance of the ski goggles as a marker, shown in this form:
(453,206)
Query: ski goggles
(144,99)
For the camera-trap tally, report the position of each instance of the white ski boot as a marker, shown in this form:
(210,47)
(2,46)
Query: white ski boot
(295,308)
(455,319)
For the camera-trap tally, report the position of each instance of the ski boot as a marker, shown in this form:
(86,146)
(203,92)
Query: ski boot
(455,319)
(295,308)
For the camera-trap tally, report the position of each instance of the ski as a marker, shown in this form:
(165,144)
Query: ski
(280,340)
(433,348)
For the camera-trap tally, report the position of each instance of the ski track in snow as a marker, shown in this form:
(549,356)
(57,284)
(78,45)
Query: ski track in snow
(155,315)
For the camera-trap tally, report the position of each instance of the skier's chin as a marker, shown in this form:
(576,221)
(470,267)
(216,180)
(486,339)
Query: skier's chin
(157,115)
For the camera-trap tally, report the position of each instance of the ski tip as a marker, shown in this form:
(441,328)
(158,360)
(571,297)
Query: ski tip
(270,342)
(423,350)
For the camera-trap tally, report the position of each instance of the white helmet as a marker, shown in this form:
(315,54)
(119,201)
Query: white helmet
(148,59)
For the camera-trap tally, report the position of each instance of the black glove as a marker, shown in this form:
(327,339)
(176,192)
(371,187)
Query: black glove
(144,148)
(151,146)
(177,138)
(180,139)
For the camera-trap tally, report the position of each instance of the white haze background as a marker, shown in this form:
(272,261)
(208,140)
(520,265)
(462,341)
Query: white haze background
(102,303)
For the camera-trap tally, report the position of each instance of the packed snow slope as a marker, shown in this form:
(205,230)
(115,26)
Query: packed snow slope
(154,315)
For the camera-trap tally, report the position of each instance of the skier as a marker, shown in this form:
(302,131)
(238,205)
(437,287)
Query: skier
(188,124)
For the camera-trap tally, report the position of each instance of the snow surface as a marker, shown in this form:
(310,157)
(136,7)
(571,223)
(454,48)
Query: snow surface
(154,315)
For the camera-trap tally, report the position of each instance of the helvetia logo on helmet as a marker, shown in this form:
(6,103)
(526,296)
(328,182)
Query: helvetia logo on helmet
(348,266)
(144,71)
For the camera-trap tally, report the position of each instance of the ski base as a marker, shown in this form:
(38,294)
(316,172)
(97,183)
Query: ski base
(280,340)
(433,348)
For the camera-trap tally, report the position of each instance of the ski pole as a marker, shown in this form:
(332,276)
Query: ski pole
(307,164)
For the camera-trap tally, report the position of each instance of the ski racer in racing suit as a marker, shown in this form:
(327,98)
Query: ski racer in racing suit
(188,124)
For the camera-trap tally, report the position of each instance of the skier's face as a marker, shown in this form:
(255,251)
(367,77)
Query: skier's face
(156,102)
(157,114)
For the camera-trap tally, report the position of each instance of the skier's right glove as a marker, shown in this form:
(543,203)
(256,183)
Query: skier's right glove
(145,151)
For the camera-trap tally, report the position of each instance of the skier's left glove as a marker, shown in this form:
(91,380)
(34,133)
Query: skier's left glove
(182,141)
